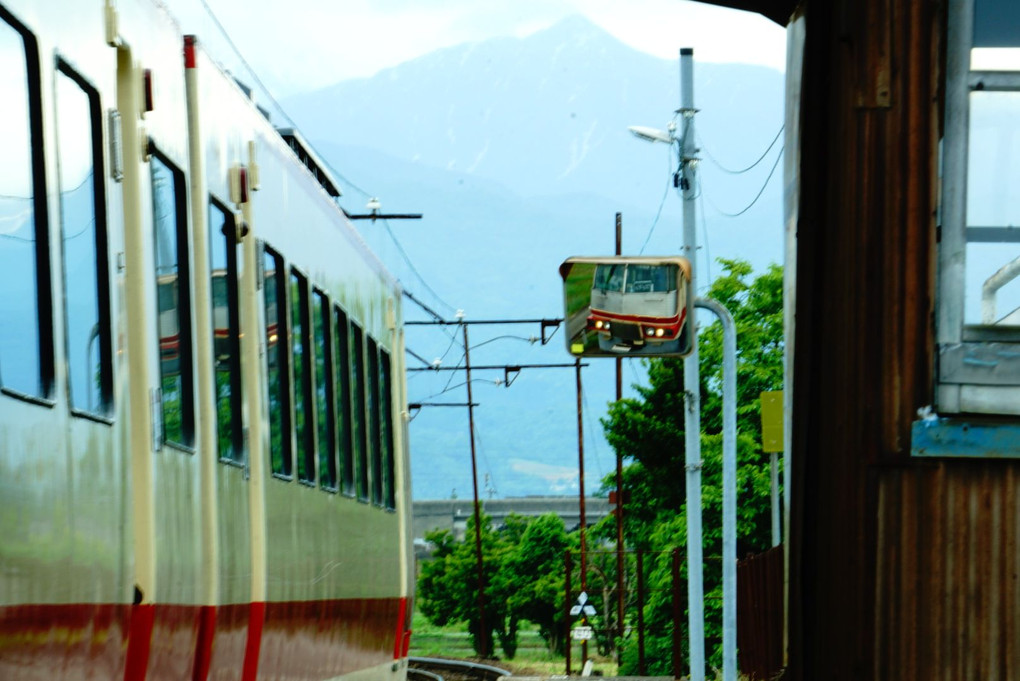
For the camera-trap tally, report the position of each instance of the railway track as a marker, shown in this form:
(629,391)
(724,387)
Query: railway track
(437,669)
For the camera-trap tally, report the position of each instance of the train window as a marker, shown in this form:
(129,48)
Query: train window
(978,304)
(223,267)
(359,411)
(345,431)
(323,391)
(389,467)
(274,292)
(26,326)
(83,233)
(170,227)
(374,423)
(301,351)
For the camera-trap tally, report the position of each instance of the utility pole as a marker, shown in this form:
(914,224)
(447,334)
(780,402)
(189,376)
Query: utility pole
(692,401)
(619,478)
(483,634)
(583,523)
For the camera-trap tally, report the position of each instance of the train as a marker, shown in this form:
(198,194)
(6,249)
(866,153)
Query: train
(628,305)
(203,445)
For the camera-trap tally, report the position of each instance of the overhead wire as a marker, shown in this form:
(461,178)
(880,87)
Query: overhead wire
(531,339)
(286,116)
(410,264)
(591,434)
(662,202)
(761,191)
(761,158)
(247,66)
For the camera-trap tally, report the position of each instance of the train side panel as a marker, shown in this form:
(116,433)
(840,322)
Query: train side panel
(146,534)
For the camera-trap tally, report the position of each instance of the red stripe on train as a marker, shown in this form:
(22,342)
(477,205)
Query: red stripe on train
(139,638)
(256,617)
(299,640)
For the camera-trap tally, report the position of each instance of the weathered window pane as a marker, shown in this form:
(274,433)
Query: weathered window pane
(226,333)
(389,463)
(374,423)
(170,235)
(83,233)
(23,311)
(360,410)
(323,391)
(343,403)
(301,352)
(274,291)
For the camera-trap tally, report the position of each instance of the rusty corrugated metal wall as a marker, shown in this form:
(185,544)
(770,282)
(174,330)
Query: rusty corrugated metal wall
(900,568)
(947,595)
(760,614)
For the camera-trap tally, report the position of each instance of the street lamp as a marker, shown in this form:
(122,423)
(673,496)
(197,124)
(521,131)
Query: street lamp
(685,180)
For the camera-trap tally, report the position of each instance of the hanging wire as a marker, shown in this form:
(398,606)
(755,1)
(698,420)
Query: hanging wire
(485,459)
(704,228)
(744,170)
(454,373)
(417,356)
(531,339)
(453,340)
(449,388)
(591,434)
(410,264)
(662,202)
(244,62)
(758,196)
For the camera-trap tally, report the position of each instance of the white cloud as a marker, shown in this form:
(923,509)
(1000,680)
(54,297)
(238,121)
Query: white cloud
(558,478)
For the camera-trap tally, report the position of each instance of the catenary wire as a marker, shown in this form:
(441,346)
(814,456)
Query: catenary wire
(761,191)
(761,158)
(662,202)
(410,264)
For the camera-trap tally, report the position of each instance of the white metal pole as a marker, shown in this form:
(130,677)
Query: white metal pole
(692,401)
(777,536)
(729,487)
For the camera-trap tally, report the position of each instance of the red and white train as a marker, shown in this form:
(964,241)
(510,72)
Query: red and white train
(203,450)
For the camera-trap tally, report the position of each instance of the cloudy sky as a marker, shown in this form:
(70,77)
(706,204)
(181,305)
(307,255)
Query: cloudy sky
(301,45)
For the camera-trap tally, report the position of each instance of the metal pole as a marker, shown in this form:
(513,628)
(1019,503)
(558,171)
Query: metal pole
(729,487)
(777,535)
(677,610)
(619,480)
(692,415)
(580,467)
(641,612)
(483,634)
(568,562)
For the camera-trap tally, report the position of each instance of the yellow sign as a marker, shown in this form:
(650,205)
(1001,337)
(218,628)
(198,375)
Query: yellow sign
(772,421)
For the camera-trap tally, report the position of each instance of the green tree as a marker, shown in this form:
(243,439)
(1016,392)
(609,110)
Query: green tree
(649,432)
(532,576)
(448,585)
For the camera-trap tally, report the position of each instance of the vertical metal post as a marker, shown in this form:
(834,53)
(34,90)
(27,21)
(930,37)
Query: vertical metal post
(729,487)
(619,481)
(641,612)
(692,414)
(777,534)
(580,466)
(483,634)
(677,612)
(568,562)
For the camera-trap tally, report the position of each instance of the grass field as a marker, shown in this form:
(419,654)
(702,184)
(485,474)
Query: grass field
(532,658)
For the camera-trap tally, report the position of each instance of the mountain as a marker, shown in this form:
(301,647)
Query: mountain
(518,155)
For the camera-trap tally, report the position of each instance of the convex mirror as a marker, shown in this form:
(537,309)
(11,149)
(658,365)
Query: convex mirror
(627,306)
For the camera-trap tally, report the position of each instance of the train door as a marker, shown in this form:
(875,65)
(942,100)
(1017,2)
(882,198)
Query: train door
(218,149)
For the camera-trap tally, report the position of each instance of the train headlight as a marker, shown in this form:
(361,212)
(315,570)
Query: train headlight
(599,324)
(659,333)
(649,331)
